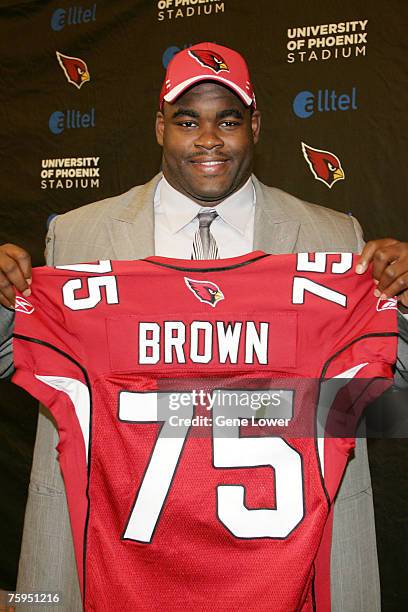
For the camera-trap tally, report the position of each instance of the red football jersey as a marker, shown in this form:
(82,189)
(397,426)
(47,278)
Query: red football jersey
(198,471)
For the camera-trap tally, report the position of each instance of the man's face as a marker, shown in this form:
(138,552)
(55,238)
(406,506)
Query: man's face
(208,136)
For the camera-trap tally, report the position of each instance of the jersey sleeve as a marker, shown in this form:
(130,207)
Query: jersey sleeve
(358,339)
(351,336)
(363,334)
(48,357)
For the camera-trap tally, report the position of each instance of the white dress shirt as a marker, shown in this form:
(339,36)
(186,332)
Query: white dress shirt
(175,220)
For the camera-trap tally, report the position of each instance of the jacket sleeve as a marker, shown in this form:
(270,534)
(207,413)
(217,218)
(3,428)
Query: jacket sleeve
(6,345)
(49,243)
(401,371)
(359,234)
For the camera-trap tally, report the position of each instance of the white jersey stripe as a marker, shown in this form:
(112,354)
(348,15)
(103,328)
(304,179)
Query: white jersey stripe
(78,393)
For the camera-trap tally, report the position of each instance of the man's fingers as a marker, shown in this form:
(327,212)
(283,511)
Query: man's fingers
(369,252)
(20,256)
(387,266)
(403,298)
(390,267)
(15,273)
(389,260)
(387,288)
(4,302)
(7,293)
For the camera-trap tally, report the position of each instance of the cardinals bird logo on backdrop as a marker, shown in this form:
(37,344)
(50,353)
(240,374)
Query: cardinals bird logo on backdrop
(205,291)
(75,69)
(209,59)
(325,166)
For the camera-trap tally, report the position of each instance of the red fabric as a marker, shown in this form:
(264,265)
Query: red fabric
(207,62)
(195,559)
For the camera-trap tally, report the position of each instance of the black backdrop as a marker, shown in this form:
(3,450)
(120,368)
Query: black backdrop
(351,58)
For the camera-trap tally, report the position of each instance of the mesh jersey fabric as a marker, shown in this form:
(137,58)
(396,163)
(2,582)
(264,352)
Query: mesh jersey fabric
(202,518)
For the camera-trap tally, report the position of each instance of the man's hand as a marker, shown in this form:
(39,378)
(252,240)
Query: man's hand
(15,272)
(390,267)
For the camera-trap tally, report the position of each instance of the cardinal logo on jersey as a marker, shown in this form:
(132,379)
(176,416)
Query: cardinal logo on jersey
(209,59)
(23,305)
(325,166)
(205,291)
(387,304)
(74,68)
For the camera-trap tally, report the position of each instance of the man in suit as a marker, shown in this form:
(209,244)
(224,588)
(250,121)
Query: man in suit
(206,202)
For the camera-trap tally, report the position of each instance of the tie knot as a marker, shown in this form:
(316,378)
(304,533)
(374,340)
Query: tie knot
(205,218)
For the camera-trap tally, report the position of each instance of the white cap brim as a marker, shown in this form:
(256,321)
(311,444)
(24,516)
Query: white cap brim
(176,91)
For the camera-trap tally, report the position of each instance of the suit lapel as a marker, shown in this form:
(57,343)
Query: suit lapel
(274,231)
(132,229)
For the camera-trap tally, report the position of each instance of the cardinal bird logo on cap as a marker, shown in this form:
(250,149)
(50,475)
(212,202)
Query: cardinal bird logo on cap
(205,291)
(74,69)
(325,166)
(209,59)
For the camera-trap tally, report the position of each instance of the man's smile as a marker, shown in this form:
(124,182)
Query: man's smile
(209,166)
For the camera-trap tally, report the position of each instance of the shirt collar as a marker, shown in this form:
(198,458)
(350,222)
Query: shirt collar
(237,208)
(180,210)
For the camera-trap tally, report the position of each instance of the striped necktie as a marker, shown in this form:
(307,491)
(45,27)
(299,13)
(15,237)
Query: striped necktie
(204,245)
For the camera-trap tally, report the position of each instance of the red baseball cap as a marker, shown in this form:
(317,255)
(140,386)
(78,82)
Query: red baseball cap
(207,62)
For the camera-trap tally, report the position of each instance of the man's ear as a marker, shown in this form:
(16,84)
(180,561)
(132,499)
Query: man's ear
(159,127)
(256,125)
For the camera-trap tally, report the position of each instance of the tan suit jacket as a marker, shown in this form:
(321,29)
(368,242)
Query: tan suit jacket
(122,227)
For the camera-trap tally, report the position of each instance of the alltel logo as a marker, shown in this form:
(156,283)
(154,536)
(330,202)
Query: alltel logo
(71,16)
(306,103)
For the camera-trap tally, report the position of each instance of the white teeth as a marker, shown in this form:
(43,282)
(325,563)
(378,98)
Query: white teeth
(211,163)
